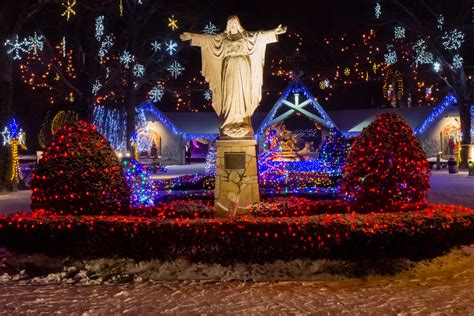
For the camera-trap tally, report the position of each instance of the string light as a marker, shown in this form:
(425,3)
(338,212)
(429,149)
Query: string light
(99,27)
(210,29)
(377,10)
(156,93)
(172,23)
(171,47)
(126,59)
(16,47)
(138,70)
(399,32)
(155,46)
(69,9)
(391,56)
(175,69)
(421,55)
(453,40)
(35,43)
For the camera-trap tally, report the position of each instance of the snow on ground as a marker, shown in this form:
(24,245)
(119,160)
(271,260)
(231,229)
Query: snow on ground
(443,285)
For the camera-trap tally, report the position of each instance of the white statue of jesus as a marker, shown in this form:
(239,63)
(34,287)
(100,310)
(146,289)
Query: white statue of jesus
(232,63)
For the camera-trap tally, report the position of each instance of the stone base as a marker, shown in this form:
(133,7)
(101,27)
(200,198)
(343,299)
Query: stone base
(236,177)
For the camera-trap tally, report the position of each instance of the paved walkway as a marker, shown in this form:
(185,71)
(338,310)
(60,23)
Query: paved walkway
(445,188)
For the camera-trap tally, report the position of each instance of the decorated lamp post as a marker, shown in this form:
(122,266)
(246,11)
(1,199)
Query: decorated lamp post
(14,137)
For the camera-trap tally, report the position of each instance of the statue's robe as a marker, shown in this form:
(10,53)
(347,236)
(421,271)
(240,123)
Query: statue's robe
(233,66)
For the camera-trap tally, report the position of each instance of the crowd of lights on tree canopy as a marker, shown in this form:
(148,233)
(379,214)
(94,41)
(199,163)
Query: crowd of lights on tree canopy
(14,137)
(110,86)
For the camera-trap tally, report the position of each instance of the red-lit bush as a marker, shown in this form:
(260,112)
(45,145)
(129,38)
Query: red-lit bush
(386,166)
(79,174)
(424,232)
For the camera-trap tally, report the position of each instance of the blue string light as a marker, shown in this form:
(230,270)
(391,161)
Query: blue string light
(437,111)
(296,87)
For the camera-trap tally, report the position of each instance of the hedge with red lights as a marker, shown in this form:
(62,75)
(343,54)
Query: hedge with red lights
(349,235)
(79,174)
(386,166)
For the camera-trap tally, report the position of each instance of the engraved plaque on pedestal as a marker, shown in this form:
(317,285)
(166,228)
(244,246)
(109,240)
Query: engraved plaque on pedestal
(234,160)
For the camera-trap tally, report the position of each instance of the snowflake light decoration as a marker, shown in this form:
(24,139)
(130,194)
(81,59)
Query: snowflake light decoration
(105,45)
(453,40)
(155,46)
(457,61)
(208,95)
(399,32)
(440,22)
(172,23)
(63,46)
(156,93)
(175,69)
(421,55)
(324,84)
(347,71)
(126,59)
(17,47)
(391,56)
(377,10)
(210,29)
(96,87)
(69,9)
(436,66)
(35,43)
(99,27)
(138,70)
(171,47)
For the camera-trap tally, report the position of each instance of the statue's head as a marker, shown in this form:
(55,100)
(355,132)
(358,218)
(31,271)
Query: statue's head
(233,25)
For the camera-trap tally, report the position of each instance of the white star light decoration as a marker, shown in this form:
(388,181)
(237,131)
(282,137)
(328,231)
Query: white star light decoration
(17,47)
(457,61)
(171,47)
(399,32)
(138,70)
(126,59)
(99,27)
(436,66)
(156,94)
(69,9)
(391,56)
(155,46)
(96,87)
(210,29)
(453,40)
(208,95)
(421,55)
(377,10)
(175,69)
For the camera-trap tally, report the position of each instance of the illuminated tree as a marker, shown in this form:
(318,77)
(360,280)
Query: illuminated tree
(333,152)
(118,64)
(436,34)
(386,166)
(79,174)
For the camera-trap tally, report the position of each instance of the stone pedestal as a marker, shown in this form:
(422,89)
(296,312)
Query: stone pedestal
(236,177)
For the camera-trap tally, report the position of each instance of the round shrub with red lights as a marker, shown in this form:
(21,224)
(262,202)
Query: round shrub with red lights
(79,174)
(386,167)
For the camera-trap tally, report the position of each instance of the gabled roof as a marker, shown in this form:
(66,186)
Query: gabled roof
(295,90)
